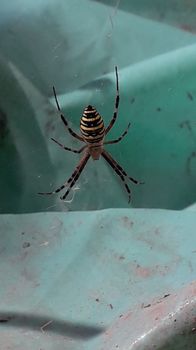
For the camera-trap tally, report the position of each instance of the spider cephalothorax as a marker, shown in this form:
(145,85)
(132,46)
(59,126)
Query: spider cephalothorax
(93,133)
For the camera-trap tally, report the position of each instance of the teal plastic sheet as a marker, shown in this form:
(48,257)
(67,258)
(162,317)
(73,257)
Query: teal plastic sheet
(102,279)
(95,271)
(156,65)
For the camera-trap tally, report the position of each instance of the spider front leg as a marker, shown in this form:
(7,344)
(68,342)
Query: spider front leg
(64,120)
(120,138)
(116,104)
(67,148)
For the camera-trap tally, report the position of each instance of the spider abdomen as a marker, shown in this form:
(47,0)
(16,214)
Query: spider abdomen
(92,126)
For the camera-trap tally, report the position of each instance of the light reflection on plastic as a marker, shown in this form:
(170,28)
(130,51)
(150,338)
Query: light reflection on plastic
(163,321)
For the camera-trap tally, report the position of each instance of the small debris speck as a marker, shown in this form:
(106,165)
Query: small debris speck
(145,306)
(5,319)
(190,96)
(45,325)
(132,100)
(121,257)
(166,295)
(26,245)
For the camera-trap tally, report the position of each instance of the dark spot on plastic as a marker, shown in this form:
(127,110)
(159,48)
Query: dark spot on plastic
(132,100)
(188,162)
(166,295)
(26,245)
(190,96)
(187,27)
(3,125)
(157,231)
(97,299)
(127,223)
(111,306)
(5,319)
(186,124)
(145,306)
(159,109)
(121,257)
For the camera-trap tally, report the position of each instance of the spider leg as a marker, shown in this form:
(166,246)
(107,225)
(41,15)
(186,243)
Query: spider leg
(120,138)
(122,170)
(79,169)
(64,120)
(116,104)
(74,177)
(112,163)
(67,148)
(53,192)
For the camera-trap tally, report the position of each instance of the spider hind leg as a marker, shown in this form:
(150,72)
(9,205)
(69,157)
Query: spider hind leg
(72,180)
(112,163)
(76,174)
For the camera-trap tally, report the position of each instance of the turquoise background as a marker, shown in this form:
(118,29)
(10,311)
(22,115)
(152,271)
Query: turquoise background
(95,271)
(157,69)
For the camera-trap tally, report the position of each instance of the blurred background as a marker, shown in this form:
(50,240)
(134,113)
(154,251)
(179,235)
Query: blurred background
(74,45)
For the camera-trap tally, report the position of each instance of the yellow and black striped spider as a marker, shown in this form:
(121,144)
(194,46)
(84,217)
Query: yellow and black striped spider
(93,134)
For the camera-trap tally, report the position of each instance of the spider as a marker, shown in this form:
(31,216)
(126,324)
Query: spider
(93,134)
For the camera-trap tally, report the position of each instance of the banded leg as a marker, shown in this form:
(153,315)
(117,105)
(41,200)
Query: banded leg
(74,177)
(116,104)
(120,138)
(81,164)
(67,148)
(64,120)
(122,170)
(109,159)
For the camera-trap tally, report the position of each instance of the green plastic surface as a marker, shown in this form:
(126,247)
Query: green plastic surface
(160,147)
(74,276)
(100,278)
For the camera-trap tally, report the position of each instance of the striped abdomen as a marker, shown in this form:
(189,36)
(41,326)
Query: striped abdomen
(92,126)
